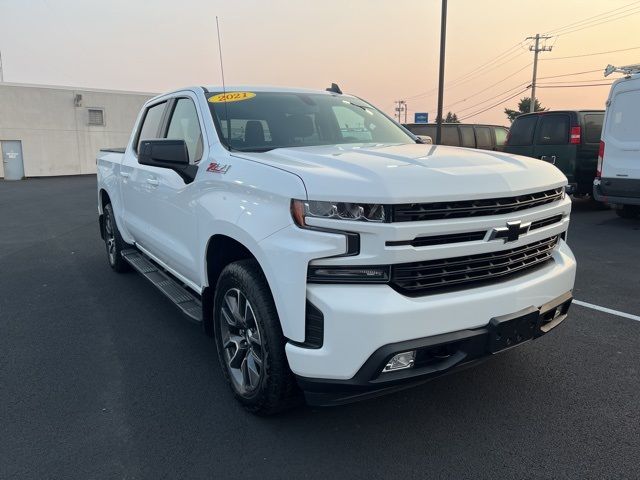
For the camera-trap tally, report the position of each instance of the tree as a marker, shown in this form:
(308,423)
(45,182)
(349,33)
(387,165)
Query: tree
(523,107)
(450,118)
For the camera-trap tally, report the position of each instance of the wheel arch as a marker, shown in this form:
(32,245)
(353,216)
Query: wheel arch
(221,250)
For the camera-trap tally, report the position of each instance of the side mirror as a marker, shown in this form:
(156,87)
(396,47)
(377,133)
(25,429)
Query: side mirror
(166,153)
(425,139)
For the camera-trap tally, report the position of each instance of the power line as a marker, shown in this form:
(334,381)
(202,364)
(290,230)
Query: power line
(589,25)
(571,81)
(593,18)
(592,54)
(576,86)
(494,105)
(494,97)
(571,74)
(489,87)
(477,70)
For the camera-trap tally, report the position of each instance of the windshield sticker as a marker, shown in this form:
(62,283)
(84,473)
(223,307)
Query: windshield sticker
(231,97)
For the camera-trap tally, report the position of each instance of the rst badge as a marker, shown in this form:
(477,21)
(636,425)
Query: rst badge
(217,168)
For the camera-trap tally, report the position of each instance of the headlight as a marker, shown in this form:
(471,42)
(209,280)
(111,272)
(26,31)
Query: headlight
(364,212)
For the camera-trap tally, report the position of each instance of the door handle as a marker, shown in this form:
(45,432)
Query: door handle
(153,181)
(124,174)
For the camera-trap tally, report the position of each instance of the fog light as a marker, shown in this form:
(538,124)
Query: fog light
(401,361)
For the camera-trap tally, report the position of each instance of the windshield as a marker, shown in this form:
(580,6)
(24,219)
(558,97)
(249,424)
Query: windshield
(262,121)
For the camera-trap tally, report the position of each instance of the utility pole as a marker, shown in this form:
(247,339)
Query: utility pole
(443,37)
(535,51)
(401,106)
(1,72)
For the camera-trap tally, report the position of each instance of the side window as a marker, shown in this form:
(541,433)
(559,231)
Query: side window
(467,136)
(622,117)
(554,130)
(501,136)
(522,130)
(593,127)
(184,125)
(450,135)
(150,123)
(351,124)
(483,137)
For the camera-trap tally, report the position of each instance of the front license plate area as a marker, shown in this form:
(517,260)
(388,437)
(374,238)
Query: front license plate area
(511,330)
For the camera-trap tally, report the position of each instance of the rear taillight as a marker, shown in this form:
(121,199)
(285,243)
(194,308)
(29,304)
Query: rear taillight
(574,137)
(600,160)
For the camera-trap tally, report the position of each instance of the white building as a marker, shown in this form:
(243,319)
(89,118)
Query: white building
(47,130)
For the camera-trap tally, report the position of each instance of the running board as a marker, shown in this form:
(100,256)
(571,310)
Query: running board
(183,298)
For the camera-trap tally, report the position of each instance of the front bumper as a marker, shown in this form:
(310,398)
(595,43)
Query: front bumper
(360,319)
(436,356)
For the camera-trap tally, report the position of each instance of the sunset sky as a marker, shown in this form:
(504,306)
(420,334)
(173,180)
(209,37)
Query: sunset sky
(379,50)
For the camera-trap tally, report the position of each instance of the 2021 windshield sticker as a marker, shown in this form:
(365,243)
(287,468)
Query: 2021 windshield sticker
(231,97)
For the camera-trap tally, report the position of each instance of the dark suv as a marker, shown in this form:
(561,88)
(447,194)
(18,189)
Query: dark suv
(567,138)
(487,137)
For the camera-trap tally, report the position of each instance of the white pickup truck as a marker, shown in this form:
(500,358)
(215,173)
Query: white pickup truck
(328,250)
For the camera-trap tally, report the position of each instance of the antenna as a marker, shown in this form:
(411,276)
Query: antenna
(224,88)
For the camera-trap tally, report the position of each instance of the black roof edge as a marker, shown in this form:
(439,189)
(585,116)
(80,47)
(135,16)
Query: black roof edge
(205,89)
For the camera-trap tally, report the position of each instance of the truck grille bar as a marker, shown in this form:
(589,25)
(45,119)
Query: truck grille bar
(415,212)
(421,278)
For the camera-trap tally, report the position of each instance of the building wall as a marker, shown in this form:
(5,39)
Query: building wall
(55,133)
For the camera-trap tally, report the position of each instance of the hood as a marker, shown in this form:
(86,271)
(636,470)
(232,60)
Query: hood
(409,173)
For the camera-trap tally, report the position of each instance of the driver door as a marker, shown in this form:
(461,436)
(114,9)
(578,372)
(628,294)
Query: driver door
(172,218)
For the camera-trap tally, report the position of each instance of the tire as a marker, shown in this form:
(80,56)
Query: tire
(249,341)
(114,242)
(628,211)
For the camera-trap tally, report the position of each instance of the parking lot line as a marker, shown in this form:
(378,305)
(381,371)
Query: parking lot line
(607,310)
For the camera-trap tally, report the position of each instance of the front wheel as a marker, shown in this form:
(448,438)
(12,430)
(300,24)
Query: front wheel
(250,342)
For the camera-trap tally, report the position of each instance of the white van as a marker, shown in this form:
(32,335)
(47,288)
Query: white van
(617,181)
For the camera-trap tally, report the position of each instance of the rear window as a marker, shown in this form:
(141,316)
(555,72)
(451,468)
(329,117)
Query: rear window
(501,136)
(593,127)
(622,123)
(522,130)
(468,138)
(483,137)
(553,130)
(450,135)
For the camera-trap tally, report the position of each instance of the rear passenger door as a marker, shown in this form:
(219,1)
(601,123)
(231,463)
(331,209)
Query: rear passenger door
(467,137)
(484,139)
(450,136)
(137,182)
(552,143)
(521,135)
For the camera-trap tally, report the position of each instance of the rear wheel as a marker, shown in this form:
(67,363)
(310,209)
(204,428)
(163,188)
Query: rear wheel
(628,211)
(114,242)
(250,342)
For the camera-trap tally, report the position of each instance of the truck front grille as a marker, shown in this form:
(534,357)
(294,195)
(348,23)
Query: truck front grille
(415,212)
(421,278)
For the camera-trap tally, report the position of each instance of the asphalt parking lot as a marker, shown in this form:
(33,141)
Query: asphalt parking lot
(101,377)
